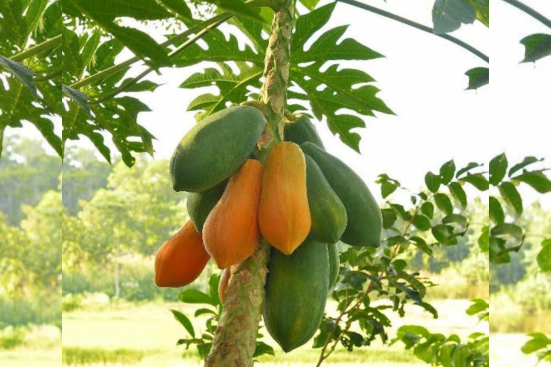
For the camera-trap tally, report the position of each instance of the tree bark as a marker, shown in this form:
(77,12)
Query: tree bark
(235,338)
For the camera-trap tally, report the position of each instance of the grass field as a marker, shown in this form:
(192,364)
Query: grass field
(147,334)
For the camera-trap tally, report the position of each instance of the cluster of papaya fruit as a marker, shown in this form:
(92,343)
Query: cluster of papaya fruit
(301,200)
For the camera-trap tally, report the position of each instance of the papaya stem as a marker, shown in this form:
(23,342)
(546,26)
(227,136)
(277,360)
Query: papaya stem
(235,339)
(276,67)
(234,342)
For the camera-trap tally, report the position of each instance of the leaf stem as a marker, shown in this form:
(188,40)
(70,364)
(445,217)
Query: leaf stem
(36,49)
(218,19)
(528,10)
(47,77)
(418,26)
(182,47)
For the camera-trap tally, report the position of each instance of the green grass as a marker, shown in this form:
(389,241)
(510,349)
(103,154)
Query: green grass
(146,334)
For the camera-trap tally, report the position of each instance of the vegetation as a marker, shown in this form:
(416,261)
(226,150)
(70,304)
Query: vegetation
(64,63)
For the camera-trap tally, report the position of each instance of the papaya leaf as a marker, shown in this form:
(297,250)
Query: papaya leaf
(328,90)
(536,47)
(449,15)
(482,11)
(21,72)
(104,13)
(233,87)
(179,7)
(478,77)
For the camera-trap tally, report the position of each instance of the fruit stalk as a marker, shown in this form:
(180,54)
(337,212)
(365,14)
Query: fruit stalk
(235,338)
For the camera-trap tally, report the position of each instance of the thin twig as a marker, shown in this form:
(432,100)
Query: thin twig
(421,27)
(346,311)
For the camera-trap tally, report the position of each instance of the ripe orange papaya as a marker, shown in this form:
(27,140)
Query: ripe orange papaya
(181,259)
(284,214)
(231,231)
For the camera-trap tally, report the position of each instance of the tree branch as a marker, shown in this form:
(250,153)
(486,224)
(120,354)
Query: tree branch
(528,10)
(36,49)
(417,26)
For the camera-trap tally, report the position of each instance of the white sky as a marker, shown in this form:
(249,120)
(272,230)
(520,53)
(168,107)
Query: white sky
(422,79)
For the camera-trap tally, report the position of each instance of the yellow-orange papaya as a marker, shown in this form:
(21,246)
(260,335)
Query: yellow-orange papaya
(284,215)
(231,231)
(181,259)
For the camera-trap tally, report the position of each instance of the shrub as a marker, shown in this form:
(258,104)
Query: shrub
(11,337)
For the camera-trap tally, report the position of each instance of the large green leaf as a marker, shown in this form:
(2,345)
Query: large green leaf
(448,15)
(23,97)
(482,11)
(233,87)
(104,12)
(328,90)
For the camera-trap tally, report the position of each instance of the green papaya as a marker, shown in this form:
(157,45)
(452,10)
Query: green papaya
(302,131)
(199,204)
(215,148)
(326,209)
(296,292)
(334,264)
(364,225)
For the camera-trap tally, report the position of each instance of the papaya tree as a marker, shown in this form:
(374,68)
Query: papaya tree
(254,159)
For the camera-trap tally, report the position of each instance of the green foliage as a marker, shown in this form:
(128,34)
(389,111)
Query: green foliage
(339,91)
(505,234)
(211,310)
(449,15)
(11,337)
(478,77)
(540,344)
(31,92)
(439,350)
(537,46)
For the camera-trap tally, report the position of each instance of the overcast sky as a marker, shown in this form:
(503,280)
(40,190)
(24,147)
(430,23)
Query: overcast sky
(422,79)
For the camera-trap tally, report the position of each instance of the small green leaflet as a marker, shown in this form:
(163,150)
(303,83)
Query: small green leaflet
(478,77)
(537,46)
(448,15)
(544,256)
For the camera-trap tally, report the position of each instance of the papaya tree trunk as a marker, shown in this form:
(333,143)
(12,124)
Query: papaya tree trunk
(235,338)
